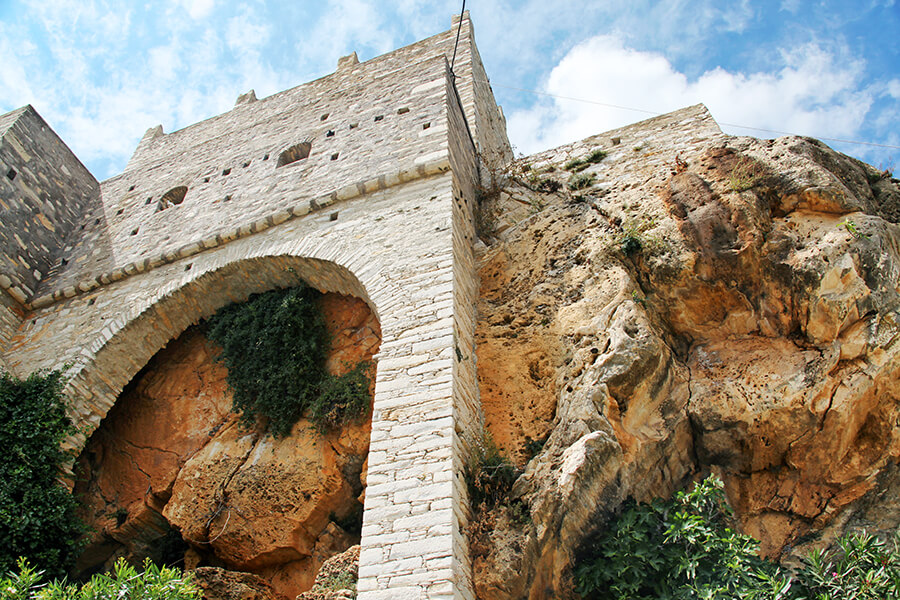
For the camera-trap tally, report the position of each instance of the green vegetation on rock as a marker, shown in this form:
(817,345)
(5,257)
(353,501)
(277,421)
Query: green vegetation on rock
(37,513)
(274,346)
(686,548)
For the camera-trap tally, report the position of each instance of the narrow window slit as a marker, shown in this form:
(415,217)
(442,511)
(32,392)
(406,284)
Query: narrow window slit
(226,172)
(402,111)
(378,118)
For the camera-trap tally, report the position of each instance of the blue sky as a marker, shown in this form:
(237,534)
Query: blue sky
(103,72)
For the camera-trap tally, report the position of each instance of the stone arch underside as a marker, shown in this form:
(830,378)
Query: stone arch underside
(98,382)
(171,475)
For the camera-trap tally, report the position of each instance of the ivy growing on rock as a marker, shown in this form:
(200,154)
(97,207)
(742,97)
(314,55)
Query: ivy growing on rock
(37,513)
(274,346)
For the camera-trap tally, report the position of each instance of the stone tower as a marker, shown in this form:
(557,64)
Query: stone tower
(361,182)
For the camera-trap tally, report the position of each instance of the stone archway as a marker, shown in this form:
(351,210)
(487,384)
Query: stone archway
(125,346)
(170,470)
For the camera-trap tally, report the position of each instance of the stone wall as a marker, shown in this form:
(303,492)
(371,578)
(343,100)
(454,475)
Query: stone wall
(379,205)
(44,190)
(486,120)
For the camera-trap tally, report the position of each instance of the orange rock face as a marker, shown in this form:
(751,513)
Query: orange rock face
(719,304)
(170,463)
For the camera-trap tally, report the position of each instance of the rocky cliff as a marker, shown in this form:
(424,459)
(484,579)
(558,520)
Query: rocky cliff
(663,301)
(170,474)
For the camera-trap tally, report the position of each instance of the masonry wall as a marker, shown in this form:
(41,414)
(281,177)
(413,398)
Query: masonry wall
(467,417)
(360,128)
(380,208)
(44,190)
(485,118)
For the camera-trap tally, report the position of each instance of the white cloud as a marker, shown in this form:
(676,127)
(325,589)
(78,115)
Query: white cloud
(810,94)
(894,88)
(198,9)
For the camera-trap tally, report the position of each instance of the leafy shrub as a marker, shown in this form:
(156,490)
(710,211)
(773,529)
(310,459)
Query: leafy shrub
(274,346)
(125,582)
(679,549)
(859,566)
(580,164)
(37,514)
(341,399)
(685,548)
(345,580)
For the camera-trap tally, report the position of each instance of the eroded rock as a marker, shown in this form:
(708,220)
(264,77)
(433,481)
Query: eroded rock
(710,303)
(171,469)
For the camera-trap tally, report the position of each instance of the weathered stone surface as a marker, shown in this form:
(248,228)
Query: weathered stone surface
(336,580)
(172,455)
(722,304)
(221,584)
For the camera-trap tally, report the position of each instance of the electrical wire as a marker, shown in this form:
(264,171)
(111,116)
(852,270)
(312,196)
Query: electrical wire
(456,44)
(655,113)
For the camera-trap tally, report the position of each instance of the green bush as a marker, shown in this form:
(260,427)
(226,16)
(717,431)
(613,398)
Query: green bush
(37,513)
(580,164)
(489,474)
(125,583)
(685,549)
(274,346)
(860,566)
(679,549)
(341,399)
